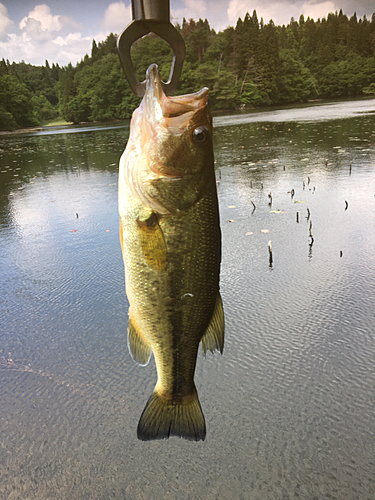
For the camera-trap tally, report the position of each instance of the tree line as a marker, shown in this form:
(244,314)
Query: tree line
(249,65)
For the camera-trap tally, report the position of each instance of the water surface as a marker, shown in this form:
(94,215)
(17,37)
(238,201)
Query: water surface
(289,407)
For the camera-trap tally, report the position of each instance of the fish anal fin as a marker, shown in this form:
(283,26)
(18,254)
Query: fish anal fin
(152,242)
(139,349)
(213,338)
(165,417)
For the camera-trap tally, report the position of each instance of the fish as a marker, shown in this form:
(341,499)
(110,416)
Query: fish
(171,245)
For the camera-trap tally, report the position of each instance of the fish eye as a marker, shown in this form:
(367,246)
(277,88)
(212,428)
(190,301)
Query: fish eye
(200,135)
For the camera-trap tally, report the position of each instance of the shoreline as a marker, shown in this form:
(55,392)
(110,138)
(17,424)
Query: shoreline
(310,102)
(54,125)
(21,131)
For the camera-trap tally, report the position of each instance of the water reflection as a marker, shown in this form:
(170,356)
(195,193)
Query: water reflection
(317,113)
(295,384)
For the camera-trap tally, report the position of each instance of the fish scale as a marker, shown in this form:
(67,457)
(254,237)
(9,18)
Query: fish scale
(171,243)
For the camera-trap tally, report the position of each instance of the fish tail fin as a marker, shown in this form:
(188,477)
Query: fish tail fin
(163,417)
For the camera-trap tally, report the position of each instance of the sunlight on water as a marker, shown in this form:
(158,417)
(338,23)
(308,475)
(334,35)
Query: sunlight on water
(319,112)
(289,406)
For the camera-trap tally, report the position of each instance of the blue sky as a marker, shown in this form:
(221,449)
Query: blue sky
(62,31)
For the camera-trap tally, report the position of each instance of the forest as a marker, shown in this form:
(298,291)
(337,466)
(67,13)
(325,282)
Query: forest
(250,65)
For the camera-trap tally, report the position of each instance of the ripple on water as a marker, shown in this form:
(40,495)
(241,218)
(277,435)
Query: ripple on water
(289,406)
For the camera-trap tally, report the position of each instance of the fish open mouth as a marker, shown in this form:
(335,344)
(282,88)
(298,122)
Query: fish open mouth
(177,112)
(164,163)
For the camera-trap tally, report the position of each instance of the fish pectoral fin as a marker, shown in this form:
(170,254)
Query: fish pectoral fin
(163,417)
(152,242)
(213,338)
(139,349)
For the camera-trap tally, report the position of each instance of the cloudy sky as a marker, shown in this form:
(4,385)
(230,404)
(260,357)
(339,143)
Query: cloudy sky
(62,31)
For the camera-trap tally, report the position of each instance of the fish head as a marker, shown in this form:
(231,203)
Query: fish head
(169,156)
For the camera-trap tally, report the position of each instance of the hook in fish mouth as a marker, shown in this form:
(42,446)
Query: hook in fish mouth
(177,112)
(153,75)
(183,103)
(140,27)
(153,82)
(169,147)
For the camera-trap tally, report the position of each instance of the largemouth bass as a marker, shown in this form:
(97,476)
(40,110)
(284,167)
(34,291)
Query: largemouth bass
(171,243)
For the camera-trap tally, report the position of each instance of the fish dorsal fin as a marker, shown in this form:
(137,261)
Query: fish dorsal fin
(139,349)
(213,338)
(152,242)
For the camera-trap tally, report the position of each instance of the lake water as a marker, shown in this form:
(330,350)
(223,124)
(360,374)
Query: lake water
(289,407)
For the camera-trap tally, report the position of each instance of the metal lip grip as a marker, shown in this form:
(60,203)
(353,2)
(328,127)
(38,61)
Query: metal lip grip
(151,16)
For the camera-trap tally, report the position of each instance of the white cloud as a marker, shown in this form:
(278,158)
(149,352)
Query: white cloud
(73,46)
(17,48)
(33,30)
(42,14)
(197,8)
(116,17)
(43,35)
(279,12)
(236,9)
(6,22)
(71,38)
(193,9)
(42,17)
(317,10)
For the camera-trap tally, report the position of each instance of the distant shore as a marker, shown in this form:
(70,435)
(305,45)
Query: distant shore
(20,131)
(60,123)
(310,102)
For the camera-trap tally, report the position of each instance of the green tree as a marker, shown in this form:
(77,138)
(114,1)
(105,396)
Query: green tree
(7,121)
(151,49)
(44,110)
(225,92)
(370,90)
(16,102)
(250,95)
(296,81)
(251,64)
(66,91)
(94,51)
(197,38)
(347,78)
